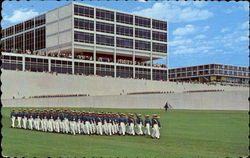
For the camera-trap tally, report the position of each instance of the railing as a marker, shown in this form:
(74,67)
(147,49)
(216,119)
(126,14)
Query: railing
(58,95)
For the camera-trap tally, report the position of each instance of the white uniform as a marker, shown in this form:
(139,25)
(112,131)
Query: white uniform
(19,119)
(13,119)
(156,131)
(30,120)
(24,122)
(139,129)
(147,129)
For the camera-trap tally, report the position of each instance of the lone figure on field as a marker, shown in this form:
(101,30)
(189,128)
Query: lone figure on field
(166,106)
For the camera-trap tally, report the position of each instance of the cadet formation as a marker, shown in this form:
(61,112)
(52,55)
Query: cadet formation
(76,122)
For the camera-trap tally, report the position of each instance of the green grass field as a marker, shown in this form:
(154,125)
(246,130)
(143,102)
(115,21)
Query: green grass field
(184,133)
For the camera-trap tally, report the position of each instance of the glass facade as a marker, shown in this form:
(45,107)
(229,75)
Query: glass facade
(84,37)
(84,11)
(158,47)
(18,28)
(142,33)
(40,38)
(140,21)
(124,72)
(124,30)
(40,20)
(9,31)
(105,40)
(19,42)
(142,45)
(159,36)
(142,73)
(11,62)
(61,66)
(9,44)
(104,14)
(124,18)
(124,43)
(84,24)
(104,70)
(29,41)
(84,68)
(161,25)
(105,27)
(29,24)
(36,64)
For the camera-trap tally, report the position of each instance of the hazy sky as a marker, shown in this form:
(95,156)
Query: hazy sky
(199,32)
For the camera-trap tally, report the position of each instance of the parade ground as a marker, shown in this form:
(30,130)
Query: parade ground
(184,133)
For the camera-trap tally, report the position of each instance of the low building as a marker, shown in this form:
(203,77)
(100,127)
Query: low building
(212,73)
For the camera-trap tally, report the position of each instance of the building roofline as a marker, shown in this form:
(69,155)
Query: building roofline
(206,64)
(83,4)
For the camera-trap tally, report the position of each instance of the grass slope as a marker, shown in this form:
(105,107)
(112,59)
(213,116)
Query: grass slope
(185,133)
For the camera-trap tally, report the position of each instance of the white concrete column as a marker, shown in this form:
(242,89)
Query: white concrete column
(133,46)
(23,61)
(73,38)
(94,41)
(114,56)
(151,50)
(14,32)
(49,61)
(167,55)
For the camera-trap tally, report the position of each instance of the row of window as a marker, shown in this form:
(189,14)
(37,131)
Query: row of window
(213,72)
(120,42)
(120,17)
(40,20)
(40,65)
(25,41)
(120,30)
(212,66)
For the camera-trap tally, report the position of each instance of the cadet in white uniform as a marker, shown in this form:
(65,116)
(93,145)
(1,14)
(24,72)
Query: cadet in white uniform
(13,116)
(147,124)
(156,126)
(139,123)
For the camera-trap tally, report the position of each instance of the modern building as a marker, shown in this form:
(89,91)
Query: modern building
(212,73)
(83,39)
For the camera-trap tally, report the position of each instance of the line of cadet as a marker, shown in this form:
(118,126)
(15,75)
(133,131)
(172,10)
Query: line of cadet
(76,122)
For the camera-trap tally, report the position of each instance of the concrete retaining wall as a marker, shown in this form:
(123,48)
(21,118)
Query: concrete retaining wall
(20,84)
(233,100)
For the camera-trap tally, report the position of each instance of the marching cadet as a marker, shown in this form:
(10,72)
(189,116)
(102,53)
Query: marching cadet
(156,126)
(147,124)
(13,116)
(105,123)
(109,123)
(61,123)
(78,124)
(50,122)
(38,119)
(57,122)
(98,124)
(122,123)
(47,121)
(35,119)
(92,124)
(131,123)
(83,128)
(139,123)
(30,119)
(66,121)
(116,120)
(87,123)
(19,118)
(24,118)
(43,120)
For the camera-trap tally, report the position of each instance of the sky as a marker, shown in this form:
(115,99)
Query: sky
(198,32)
